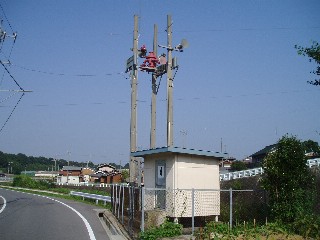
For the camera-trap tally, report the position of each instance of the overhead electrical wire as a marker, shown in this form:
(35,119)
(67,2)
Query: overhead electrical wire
(14,92)
(194,98)
(14,35)
(4,14)
(190,31)
(247,29)
(11,76)
(230,30)
(65,74)
(14,108)
(7,57)
(2,78)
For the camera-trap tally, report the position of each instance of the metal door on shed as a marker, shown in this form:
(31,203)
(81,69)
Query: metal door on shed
(160,176)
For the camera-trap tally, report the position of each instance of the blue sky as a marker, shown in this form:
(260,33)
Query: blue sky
(241,79)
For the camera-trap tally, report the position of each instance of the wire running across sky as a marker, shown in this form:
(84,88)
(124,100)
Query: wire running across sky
(240,79)
(3,36)
(66,74)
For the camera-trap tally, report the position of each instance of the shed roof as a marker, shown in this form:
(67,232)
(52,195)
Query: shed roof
(178,150)
(71,168)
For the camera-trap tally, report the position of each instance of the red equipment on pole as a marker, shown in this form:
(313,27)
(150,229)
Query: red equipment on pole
(150,64)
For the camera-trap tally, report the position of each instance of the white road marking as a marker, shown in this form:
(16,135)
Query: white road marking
(4,204)
(89,229)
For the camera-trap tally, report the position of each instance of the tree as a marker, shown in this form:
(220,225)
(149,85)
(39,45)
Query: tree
(311,146)
(313,53)
(238,166)
(289,182)
(125,175)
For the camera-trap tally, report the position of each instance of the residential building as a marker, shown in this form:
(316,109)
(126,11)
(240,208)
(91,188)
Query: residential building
(107,174)
(70,174)
(258,157)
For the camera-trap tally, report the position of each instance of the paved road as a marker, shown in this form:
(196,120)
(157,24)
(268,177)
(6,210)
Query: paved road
(27,216)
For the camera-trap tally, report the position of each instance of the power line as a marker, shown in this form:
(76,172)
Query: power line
(233,29)
(88,75)
(4,14)
(14,36)
(248,29)
(194,98)
(66,74)
(11,76)
(5,123)
(3,36)
(14,92)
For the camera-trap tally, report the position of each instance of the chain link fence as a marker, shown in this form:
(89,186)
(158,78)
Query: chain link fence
(139,209)
(126,207)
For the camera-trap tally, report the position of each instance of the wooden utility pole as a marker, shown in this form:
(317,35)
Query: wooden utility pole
(133,121)
(154,94)
(169,84)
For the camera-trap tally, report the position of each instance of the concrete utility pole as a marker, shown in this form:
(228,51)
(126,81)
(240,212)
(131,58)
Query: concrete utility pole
(133,122)
(9,165)
(55,164)
(154,94)
(169,84)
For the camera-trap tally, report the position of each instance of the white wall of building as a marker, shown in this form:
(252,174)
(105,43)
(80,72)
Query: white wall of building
(68,179)
(185,172)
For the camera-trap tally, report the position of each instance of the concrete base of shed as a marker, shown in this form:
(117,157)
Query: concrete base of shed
(154,218)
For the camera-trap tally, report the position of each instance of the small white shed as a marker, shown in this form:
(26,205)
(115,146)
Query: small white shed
(170,174)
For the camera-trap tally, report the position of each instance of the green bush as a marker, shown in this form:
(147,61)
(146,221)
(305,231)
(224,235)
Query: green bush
(288,186)
(244,230)
(307,226)
(167,229)
(27,182)
(24,181)
(61,190)
(44,184)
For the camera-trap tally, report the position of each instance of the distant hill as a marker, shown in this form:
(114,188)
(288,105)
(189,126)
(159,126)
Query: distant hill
(16,163)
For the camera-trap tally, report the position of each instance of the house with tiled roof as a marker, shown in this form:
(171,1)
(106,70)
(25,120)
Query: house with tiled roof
(106,174)
(70,174)
(106,168)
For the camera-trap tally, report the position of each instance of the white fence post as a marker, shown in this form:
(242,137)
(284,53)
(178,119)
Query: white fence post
(192,197)
(122,203)
(230,208)
(142,208)
(119,204)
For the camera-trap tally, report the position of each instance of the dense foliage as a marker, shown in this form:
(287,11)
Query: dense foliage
(250,230)
(311,146)
(313,53)
(167,229)
(27,182)
(16,163)
(238,166)
(247,205)
(289,182)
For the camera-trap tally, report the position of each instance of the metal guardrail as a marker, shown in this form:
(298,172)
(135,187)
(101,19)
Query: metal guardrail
(241,174)
(88,184)
(313,162)
(6,179)
(92,196)
(257,171)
